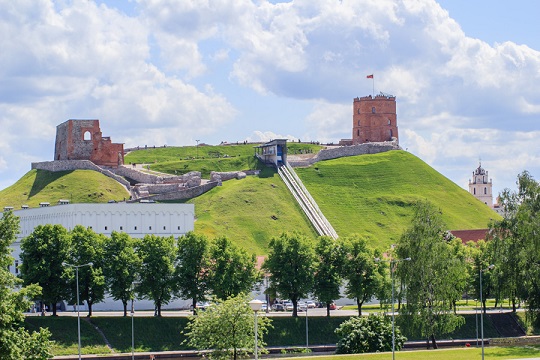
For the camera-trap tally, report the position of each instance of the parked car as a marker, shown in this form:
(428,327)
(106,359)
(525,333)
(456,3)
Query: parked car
(264,306)
(288,306)
(302,306)
(311,304)
(333,306)
(201,305)
(278,307)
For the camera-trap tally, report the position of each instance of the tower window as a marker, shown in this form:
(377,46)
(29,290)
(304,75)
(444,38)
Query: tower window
(474,191)
(358,122)
(373,110)
(87,135)
(485,191)
(359,110)
(105,228)
(389,122)
(357,132)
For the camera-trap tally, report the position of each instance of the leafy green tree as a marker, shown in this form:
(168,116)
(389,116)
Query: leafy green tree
(227,329)
(516,245)
(192,267)
(15,341)
(330,255)
(431,278)
(43,253)
(481,260)
(157,281)
(87,247)
(371,333)
(364,277)
(291,265)
(232,269)
(122,267)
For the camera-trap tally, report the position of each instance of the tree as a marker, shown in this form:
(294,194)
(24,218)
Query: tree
(87,247)
(227,329)
(232,269)
(122,268)
(291,264)
(329,267)
(15,341)
(367,334)
(192,267)
(43,253)
(431,278)
(516,245)
(364,277)
(157,282)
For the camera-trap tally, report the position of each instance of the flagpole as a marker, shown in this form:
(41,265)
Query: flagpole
(373,82)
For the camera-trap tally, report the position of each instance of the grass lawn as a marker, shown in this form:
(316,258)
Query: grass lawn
(250,211)
(374,195)
(499,353)
(78,186)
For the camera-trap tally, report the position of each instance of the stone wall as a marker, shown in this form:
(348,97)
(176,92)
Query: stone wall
(184,193)
(191,179)
(334,153)
(70,165)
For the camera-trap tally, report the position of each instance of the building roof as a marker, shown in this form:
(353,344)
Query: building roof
(470,235)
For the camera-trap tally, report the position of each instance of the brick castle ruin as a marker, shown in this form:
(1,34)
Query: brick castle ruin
(82,140)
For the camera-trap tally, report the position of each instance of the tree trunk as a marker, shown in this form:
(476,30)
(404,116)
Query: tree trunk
(89,308)
(434,341)
(513,304)
(54,309)
(159,309)
(328,309)
(124,302)
(359,306)
(428,345)
(194,305)
(295,308)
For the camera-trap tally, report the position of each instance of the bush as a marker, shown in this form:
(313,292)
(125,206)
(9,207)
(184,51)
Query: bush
(367,334)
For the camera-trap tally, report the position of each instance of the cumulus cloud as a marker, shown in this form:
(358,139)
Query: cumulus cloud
(167,72)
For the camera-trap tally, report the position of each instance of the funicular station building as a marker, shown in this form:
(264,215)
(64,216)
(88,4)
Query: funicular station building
(273,152)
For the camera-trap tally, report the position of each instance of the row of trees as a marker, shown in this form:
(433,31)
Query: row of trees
(154,268)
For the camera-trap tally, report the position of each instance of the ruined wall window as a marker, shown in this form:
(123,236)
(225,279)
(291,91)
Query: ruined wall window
(357,132)
(389,122)
(390,133)
(358,122)
(359,110)
(474,191)
(373,110)
(87,135)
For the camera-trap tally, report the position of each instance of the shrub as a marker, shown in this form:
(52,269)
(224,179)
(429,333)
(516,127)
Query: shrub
(367,334)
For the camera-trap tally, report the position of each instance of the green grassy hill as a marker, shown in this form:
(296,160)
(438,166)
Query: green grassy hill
(373,195)
(250,211)
(79,186)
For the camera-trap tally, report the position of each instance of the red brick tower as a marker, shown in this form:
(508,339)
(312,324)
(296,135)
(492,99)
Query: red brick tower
(374,119)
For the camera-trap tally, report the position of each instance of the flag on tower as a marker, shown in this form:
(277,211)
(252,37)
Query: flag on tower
(370,76)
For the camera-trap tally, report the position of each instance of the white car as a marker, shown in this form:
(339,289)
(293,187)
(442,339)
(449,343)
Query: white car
(311,304)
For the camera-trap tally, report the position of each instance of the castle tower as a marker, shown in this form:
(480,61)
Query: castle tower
(374,119)
(481,187)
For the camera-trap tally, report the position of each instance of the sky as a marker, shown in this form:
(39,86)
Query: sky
(465,74)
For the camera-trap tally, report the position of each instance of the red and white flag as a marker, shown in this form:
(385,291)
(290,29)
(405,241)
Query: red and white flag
(370,76)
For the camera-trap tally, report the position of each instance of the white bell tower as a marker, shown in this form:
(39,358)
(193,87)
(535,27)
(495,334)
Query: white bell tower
(481,186)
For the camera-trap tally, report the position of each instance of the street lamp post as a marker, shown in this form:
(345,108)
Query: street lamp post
(476,318)
(78,312)
(392,264)
(197,149)
(307,329)
(256,305)
(482,308)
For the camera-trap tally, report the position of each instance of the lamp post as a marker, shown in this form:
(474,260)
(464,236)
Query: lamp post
(392,264)
(256,305)
(197,149)
(307,329)
(476,318)
(78,312)
(481,307)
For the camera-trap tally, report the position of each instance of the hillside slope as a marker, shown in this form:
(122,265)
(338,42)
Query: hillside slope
(79,186)
(250,211)
(373,195)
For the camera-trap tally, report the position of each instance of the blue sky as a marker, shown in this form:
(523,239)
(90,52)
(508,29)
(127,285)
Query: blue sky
(465,74)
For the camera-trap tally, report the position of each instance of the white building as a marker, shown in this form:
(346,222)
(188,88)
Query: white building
(137,220)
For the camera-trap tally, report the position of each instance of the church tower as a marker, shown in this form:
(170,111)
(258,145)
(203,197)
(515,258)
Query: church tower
(374,119)
(481,186)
